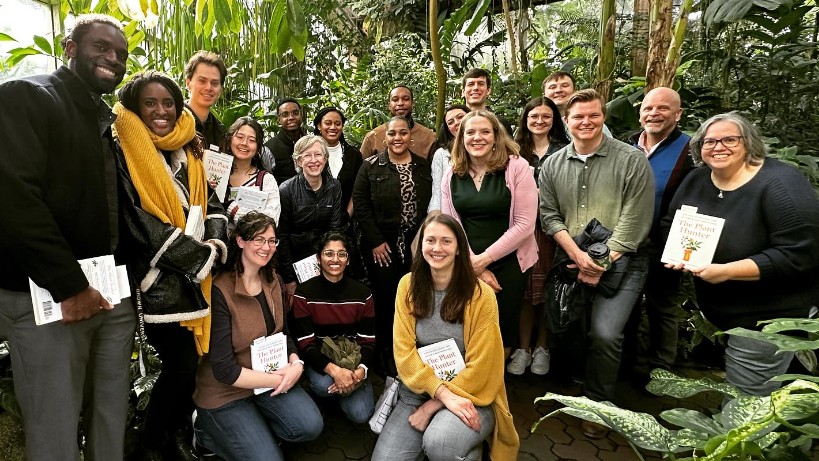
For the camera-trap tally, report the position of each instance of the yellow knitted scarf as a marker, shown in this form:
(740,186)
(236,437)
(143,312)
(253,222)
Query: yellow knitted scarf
(155,188)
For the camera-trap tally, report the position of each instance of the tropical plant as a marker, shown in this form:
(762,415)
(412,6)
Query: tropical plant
(779,426)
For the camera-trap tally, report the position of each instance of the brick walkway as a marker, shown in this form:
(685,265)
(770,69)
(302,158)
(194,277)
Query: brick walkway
(557,438)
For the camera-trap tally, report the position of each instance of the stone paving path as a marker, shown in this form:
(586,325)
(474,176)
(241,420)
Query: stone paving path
(557,438)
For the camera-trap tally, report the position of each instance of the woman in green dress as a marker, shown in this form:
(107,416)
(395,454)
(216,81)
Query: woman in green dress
(491,191)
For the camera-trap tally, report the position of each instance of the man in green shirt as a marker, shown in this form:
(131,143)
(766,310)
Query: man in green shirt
(599,177)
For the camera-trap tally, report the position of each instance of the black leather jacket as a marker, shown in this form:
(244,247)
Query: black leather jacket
(377,198)
(306,215)
(163,262)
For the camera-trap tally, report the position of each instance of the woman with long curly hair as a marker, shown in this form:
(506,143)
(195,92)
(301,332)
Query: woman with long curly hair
(162,182)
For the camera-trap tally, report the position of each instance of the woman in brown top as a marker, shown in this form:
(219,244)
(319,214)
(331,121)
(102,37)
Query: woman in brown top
(232,420)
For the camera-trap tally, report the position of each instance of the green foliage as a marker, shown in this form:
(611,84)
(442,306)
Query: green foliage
(734,10)
(361,90)
(778,426)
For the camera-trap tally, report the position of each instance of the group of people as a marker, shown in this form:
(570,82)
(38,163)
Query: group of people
(458,234)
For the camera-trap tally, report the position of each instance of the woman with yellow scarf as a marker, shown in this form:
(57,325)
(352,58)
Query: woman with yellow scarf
(162,180)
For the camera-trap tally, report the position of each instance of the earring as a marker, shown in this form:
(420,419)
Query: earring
(412,142)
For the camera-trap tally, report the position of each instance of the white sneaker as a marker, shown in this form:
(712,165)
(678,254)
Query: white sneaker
(520,359)
(540,361)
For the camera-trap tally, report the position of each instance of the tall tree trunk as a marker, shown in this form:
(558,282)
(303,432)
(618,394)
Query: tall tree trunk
(437,60)
(639,38)
(605,64)
(672,60)
(510,31)
(659,42)
(523,30)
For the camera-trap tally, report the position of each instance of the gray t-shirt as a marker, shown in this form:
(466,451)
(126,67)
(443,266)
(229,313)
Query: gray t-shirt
(434,329)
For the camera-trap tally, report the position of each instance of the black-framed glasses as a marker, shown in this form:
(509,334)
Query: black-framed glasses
(342,255)
(729,142)
(260,241)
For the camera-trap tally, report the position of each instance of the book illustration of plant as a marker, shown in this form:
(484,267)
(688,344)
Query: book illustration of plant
(689,246)
(449,374)
(213,178)
(271,367)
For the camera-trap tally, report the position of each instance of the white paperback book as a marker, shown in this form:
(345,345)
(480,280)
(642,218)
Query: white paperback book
(251,199)
(268,354)
(692,239)
(306,268)
(103,275)
(444,357)
(195,223)
(217,169)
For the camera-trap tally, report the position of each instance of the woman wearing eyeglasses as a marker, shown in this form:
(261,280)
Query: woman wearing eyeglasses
(311,206)
(335,306)
(767,259)
(232,421)
(244,143)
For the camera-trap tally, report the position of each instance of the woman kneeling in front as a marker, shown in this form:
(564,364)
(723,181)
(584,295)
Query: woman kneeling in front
(233,421)
(439,415)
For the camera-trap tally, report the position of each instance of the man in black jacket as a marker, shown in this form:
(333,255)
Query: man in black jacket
(58,171)
(205,75)
(277,157)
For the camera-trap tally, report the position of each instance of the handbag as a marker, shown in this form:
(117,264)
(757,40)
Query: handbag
(385,404)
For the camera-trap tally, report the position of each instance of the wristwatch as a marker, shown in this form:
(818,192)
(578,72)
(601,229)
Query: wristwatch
(366,370)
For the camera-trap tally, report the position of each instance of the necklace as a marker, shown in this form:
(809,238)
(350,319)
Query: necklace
(720,193)
(478,178)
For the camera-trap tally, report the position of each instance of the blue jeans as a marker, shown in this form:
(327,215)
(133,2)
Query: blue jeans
(243,430)
(605,338)
(357,407)
(446,438)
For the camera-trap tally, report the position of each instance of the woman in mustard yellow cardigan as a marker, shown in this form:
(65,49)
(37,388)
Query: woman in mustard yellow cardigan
(441,299)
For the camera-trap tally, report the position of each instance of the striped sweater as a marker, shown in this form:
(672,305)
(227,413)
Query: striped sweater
(323,308)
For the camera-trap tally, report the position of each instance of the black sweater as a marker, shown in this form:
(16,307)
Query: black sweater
(772,220)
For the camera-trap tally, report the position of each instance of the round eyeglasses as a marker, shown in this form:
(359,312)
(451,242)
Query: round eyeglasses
(341,254)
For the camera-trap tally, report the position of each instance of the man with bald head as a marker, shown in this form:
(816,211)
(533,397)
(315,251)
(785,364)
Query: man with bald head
(666,148)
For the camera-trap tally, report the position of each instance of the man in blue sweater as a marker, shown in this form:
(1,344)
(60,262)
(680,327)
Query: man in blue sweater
(666,148)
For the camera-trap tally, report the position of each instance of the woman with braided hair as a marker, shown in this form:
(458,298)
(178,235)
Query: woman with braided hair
(161,181)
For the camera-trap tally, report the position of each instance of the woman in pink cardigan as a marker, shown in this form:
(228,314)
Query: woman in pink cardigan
(491,191)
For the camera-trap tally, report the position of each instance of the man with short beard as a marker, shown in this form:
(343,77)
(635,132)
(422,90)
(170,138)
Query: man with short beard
(401,103)
(277,157)
(59,173)
(666,148)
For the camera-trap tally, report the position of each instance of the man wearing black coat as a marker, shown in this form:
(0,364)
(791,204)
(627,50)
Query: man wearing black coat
(59,174)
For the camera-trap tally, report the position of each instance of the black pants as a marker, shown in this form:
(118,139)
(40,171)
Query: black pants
(171,403)
(384,284)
